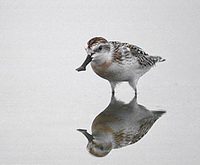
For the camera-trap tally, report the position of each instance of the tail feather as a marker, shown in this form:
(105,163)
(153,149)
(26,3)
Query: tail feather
(149,60)
(160,59)
(155,59)
(158,113)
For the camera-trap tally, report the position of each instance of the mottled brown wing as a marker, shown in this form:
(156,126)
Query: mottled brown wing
(132,50)
(122,139)
(143,58)
(145,126)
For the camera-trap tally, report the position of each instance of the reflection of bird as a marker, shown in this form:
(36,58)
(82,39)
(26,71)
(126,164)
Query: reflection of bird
(119,125)
(117,62)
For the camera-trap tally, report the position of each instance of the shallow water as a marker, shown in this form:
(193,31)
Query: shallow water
(43,100)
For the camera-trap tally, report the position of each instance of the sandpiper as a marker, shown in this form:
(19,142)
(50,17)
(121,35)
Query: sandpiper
(117,62)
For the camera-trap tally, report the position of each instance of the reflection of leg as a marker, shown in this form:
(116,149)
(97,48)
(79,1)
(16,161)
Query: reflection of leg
(113,85)
(133,85)
(133,101)
(113,99)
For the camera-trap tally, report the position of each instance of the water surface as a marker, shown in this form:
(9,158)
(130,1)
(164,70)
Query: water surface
(43,100)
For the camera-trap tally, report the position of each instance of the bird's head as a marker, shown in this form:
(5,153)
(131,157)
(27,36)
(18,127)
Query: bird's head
(97,147)
(96,49)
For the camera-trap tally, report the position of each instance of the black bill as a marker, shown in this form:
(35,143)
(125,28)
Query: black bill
(85,63)
(87,135)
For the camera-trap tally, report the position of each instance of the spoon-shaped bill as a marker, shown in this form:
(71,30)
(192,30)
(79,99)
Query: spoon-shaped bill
(87,135)
(85,63)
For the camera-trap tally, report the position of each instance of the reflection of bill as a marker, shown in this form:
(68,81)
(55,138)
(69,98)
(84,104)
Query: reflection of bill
(119,125)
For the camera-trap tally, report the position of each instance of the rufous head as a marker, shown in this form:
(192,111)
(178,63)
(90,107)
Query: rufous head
(96,146)
(96,48)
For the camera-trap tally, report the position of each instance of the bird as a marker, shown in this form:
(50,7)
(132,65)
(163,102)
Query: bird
(119,125)
(118,61)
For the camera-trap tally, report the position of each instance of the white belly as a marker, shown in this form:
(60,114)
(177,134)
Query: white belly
(119,72)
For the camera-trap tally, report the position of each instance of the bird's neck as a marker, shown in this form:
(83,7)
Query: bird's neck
(102,59)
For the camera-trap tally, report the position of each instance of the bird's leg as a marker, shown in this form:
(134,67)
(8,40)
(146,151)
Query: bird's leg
(133,101)
(113,85)
(113,93)
(113,99)
(135,92)
(133,85)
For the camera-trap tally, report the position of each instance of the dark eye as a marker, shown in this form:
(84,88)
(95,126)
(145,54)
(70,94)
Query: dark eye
(100,48)
(101,147)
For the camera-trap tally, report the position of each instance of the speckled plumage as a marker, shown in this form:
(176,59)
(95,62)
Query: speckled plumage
(116,61)
(120,125)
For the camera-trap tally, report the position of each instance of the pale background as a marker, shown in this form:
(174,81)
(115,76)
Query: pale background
(43,100)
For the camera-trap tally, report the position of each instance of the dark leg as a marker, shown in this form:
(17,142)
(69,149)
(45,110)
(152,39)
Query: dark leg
(133,85)
(135,92)
(113,85)
(113,93)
